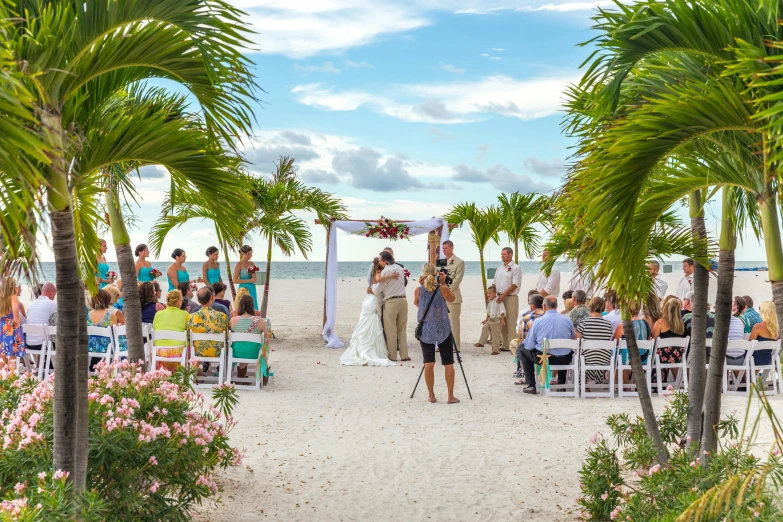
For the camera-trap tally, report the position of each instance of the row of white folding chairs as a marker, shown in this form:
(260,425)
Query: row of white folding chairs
(225,361)
(769,374)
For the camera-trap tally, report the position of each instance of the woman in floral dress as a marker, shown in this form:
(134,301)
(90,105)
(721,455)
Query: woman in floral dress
(10,329)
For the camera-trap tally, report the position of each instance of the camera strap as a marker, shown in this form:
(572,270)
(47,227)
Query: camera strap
(420,326)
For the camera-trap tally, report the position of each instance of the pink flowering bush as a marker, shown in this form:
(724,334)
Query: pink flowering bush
(154,445)
(621,480)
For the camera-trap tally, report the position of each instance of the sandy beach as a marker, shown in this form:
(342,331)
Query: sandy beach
(328,442)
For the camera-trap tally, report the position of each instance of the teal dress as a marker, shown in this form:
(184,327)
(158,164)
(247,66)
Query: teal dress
(251,287)
(182,277)
(103,271)
(213,275)
(144,275)
(248,349)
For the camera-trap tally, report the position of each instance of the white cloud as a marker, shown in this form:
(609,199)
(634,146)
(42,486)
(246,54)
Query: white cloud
(570,6)
(203,232)
(455,102)
(499,49)
(494,57)
(484,54)
(357,65)
(451,68)
(326,67)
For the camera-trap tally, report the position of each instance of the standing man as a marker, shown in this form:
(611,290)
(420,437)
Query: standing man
(456,268)
(548,284)
(508,278)
(661,286)
(686,283)
(395,308)
(581,280)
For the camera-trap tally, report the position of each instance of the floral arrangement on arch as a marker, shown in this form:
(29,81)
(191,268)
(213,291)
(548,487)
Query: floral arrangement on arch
(385,228)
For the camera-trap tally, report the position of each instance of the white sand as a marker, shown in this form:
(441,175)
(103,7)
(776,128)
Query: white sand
(327,442)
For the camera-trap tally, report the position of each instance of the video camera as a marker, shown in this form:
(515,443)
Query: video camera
(441,264)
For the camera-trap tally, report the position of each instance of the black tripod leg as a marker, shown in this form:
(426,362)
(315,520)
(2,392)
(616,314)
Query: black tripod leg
(417,382)
(459,359)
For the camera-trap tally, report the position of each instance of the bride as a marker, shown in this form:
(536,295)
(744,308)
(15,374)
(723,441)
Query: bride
(368,344)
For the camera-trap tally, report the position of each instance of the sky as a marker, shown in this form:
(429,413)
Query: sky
(404,108)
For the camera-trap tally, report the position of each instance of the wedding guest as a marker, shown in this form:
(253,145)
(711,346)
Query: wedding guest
(241,293)
(22,311)
(395,307)
(751,314)
(568,302)
(548,283)
(456,267)
(686,283)
(11,344)
(188,304)
(247,321)
(651,310)
(177,273)
(431,297)
(669,326)
(524,311)
(207,320)
(687,319)
(495,320)
(641,331)
(244,276)
(536,304)
(100,316)
(738,318)
(220,296)
(581,279)
(174,319)
(687,304)
(114,295)
(552,325)
(158,293)
(766,330)
(101,277)
(596,328)
(210,270)
(612,312)
(661,286)
(143,267)
(39,313)
(580,312)
(508,278)
(220,307)
(149,302)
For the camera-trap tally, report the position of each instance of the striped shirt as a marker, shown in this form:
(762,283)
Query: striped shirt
(596,329)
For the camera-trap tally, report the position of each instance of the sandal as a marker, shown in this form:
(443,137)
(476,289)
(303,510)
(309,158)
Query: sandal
(406,359)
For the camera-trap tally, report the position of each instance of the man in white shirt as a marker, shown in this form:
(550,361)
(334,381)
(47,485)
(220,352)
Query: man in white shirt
(38,313)
(395,308)
(686,283)
(456,267)
(581,280)
(613,315)
(508,278)
(661,286)
(548,284)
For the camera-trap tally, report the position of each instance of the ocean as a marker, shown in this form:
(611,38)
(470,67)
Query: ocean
(347,269)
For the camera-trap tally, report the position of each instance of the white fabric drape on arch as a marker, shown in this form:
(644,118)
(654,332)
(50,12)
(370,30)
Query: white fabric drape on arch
(415,228)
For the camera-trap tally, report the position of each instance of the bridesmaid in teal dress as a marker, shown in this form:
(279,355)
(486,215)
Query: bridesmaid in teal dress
(103,267)
(210,270)
(143,266)
(243,276)
(177,271)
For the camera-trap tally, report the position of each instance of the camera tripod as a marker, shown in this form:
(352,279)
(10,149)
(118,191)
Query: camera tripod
(459,360)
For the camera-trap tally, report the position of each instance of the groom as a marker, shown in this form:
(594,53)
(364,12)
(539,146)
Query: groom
(395,308)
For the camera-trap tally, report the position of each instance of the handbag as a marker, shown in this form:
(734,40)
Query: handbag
(420,327)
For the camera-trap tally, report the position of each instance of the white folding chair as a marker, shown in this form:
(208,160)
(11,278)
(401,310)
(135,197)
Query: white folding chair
(681,379)
(252,381)
(647,365)
(119,330)
(51,334)
(34,359)
(584,367)
(101,331)
(768,373)
(146,331)
(168,335)
(207,381)
(734,373)
(569,389)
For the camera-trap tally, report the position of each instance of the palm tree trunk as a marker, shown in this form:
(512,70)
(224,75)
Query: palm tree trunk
(640,379)
(130,288)
(265,299)
(229,277)
(770,224)
(81,447)
(516,251)
(698,350)
(70,404)
(483,273)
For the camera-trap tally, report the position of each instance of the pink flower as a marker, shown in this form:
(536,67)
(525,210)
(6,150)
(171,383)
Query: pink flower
(20,487)
(61,475)
(605,495)
(615,513)
(597,437)
(153,461)
(655,469)
(42,475)
(154,487)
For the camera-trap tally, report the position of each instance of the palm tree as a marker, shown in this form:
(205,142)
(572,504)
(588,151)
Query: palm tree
(484,225)
(76,56)
(275,200)
(520,213)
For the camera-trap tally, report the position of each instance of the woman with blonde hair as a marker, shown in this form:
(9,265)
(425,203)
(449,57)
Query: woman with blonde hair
(10,329)
(431,298)
(173,319)
(766,330)
(670,325)
(243,291)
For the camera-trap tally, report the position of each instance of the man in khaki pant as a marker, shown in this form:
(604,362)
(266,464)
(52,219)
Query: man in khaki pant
(456,267)
(508,278)
(395,307)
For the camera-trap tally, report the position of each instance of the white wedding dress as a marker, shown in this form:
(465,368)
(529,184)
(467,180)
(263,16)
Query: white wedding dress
(368,345)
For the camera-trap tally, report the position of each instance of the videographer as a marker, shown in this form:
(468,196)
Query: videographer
(431,298)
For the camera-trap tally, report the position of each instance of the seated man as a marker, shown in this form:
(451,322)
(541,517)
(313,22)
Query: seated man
(536,303)
(207,320)
(552,325)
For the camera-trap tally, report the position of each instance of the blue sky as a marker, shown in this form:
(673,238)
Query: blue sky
(403,108)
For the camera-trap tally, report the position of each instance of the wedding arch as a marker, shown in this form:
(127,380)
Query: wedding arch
(437,228)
